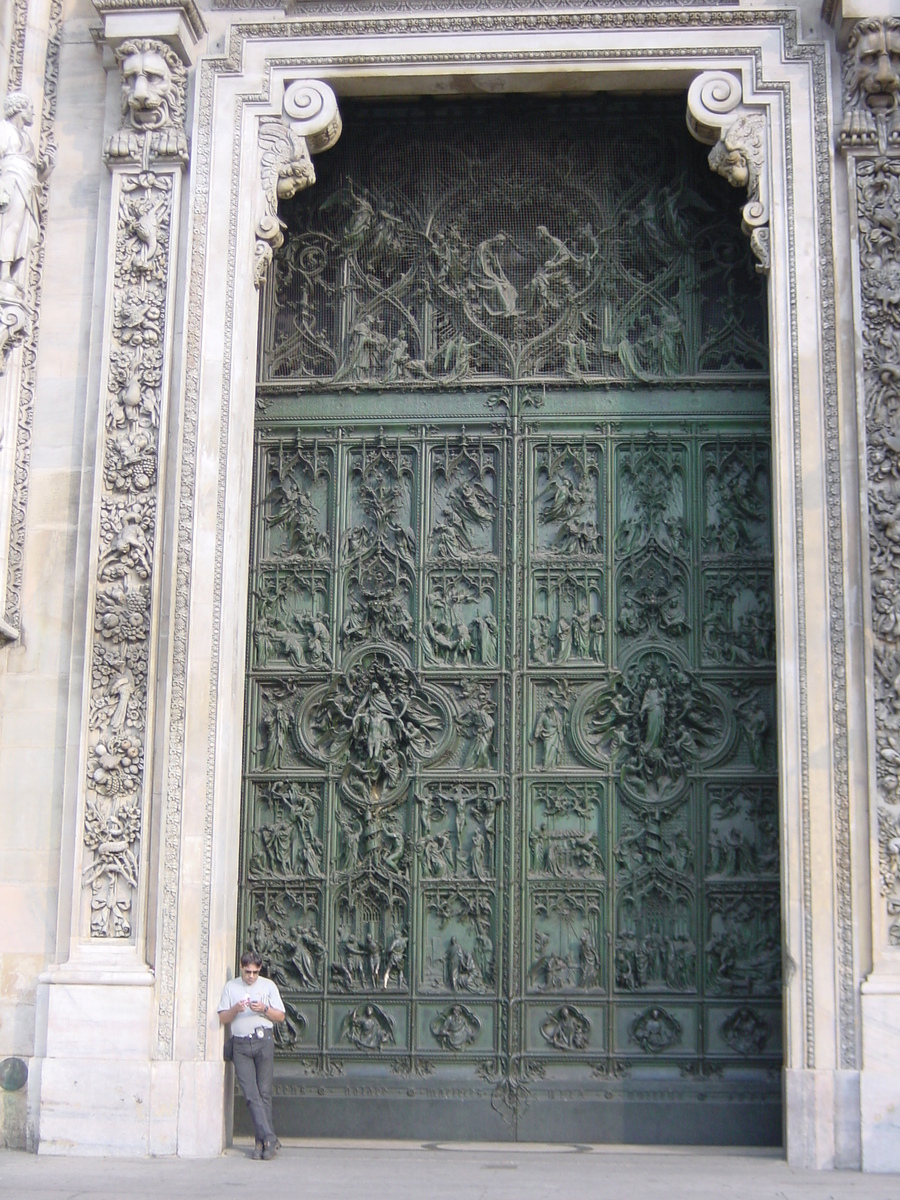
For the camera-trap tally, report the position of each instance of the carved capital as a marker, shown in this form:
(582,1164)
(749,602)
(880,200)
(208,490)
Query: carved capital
(871,80)
(310,124)
(718,117)
(154,82)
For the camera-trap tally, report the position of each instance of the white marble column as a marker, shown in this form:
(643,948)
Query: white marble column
(100,1089)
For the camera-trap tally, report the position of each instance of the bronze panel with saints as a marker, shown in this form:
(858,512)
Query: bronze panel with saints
(510,797)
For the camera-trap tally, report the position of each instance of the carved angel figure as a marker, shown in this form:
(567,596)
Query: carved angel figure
(20,178)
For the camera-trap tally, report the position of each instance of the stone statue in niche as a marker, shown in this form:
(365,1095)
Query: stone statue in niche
(21,176)
(872,85)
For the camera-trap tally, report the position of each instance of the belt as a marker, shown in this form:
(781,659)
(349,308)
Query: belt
(260,1031)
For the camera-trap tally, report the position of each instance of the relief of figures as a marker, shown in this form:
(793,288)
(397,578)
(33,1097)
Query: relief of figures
(566,1029)
(568,624)
(456,1028)
(746,1032)
(367,962)
(459,949)
(284,932)
(566,825)
(368,1028)
(291,620)
(654,906)
(743,946)
(738,619)
(652,597)
(566,951)
(287,845)
(459,831)
(736,500)
(743,832)
(464,501)
(296,499)
(567,480)
(651,486)
(379,549)
(460,628)
(373,721)
(655,1030)
(657,720)
(409,280)
(548,731)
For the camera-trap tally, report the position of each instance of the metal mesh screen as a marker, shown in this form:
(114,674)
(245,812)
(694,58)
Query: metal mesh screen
(513,241)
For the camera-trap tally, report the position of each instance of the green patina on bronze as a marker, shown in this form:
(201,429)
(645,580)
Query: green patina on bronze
(510,772)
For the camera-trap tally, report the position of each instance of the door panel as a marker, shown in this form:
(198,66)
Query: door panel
(510,828)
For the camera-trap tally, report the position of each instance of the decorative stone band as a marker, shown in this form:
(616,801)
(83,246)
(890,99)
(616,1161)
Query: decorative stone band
(738,136)
(870,136)
(310,124)
(146,157)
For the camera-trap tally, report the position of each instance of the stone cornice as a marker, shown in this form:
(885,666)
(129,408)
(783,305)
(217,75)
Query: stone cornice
(177,23)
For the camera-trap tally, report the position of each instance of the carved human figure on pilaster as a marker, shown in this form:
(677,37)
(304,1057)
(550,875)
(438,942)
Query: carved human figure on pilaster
(154,80)
(717,116)
(21,176)
(871,74)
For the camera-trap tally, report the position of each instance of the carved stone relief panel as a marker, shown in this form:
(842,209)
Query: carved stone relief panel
(146,157)
(871,136)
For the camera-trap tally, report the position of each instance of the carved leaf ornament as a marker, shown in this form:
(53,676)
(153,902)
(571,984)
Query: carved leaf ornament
(871,134)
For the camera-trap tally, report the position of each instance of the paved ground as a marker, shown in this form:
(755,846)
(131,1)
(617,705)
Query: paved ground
(407,1171)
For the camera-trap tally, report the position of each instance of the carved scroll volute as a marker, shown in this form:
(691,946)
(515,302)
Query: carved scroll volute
(310,123)
(146,157)
(870,138)
(717,116)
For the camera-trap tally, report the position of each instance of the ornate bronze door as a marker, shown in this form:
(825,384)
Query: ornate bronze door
(511,845)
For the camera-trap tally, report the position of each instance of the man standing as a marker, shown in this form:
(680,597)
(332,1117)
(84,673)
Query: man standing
(252,1007)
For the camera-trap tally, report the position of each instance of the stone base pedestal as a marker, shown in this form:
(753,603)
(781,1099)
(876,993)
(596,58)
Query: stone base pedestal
(880,1079)
(98,1091)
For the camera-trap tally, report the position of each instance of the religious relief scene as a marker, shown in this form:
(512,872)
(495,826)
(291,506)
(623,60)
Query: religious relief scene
(500,263)
(510,755)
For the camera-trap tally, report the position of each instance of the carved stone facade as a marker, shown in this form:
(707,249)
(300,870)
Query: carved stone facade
(648,725)
(146,156)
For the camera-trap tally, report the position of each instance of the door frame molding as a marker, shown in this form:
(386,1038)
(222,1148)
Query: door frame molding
(190,903)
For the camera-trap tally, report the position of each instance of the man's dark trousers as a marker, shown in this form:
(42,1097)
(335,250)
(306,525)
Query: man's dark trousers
(254,1065)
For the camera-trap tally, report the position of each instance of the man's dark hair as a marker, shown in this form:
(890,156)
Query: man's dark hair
(250,959)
